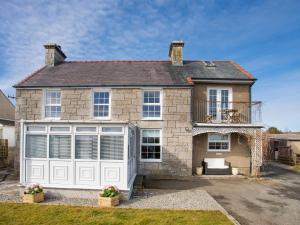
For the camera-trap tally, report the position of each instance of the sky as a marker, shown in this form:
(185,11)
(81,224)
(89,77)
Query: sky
(262,36)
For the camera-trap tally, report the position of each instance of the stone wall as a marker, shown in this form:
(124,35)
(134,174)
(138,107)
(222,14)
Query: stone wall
(126,105)
(175,124)
(76,104)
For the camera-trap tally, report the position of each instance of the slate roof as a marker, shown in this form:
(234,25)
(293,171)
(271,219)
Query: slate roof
(131,73)
(7,109)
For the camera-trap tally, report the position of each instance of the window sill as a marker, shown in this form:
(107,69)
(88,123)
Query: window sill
(151,160)
(101,118)
(216,151)
(52,118)
(152,119)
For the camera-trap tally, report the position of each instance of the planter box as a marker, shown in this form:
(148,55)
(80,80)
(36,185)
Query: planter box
(199,170)
(29,198)
(235,171)
(108,201)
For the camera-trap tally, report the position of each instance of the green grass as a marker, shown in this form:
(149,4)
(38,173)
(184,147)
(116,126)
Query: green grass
(27,214)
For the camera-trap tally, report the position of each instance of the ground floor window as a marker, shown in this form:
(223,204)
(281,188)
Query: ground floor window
(151,144)
(36,146)
(111,147)
(87,142)
(60,146)
(218,142)
(86,147)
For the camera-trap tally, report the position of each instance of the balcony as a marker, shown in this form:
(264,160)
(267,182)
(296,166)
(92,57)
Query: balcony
(227,112)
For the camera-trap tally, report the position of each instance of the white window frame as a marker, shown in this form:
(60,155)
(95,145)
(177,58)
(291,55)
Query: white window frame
(85,132)
(44,131)
(36,134)
(111,133)
(54,133)
(102,134)
(219,89)
(222,141)
(109,106)
(45,103)
(154,104)
(152,144)
(60,132)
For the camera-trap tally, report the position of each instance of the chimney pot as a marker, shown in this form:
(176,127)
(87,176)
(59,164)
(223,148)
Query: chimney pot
(53,54)
(176,52)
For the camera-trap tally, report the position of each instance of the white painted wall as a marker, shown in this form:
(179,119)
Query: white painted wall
(8,132)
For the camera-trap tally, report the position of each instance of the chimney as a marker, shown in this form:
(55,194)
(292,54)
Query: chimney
(53,54)
(175,53)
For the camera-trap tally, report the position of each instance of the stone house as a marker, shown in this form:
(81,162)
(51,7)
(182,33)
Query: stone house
(86,124)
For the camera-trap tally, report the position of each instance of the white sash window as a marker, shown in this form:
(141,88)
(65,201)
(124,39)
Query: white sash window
(52,103)
(101,104)
(152,105)
(151,145)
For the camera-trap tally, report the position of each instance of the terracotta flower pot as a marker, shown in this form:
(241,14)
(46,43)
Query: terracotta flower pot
(108,201)
(35,198)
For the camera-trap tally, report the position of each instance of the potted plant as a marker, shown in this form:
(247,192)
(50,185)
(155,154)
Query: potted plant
(33,194)
(109,197)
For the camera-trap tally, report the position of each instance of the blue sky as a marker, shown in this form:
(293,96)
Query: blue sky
(262,36)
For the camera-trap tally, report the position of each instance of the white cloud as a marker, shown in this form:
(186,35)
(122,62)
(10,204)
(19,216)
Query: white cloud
(108,29)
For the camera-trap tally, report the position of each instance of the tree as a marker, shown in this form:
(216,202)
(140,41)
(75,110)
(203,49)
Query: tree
(274,130)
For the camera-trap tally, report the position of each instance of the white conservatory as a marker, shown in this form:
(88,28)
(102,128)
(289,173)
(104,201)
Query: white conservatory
(87,155)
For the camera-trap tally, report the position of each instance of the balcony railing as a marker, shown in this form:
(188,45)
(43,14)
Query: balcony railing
(227,112)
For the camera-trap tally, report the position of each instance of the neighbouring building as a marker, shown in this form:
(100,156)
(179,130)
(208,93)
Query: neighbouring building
(86,124)
(285,148)
(7,131)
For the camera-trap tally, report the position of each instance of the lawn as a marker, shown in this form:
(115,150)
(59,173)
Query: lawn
(12,213)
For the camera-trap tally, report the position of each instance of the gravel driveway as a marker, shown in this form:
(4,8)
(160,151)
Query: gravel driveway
(186,199)
(274,200)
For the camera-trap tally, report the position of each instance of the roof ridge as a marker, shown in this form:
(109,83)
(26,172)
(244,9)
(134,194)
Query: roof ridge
(142,60)
(29,76)
(121,60)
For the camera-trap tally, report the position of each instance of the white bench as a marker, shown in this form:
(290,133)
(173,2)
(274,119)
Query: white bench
(216,163)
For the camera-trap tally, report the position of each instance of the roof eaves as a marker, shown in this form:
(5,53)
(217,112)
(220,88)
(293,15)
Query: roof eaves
(108,85)
(95,61)
(28,77)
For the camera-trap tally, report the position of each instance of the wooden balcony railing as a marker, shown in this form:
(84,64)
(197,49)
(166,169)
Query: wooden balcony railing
(227,112)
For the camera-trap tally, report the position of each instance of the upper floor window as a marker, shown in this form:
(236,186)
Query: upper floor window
(102,104)
(152,104)
(52,103)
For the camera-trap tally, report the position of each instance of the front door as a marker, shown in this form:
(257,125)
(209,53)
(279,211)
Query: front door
(219,99)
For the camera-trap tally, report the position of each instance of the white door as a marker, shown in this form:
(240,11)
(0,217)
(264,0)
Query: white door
(219,99)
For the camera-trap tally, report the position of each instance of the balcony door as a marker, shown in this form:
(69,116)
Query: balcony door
(219,99)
